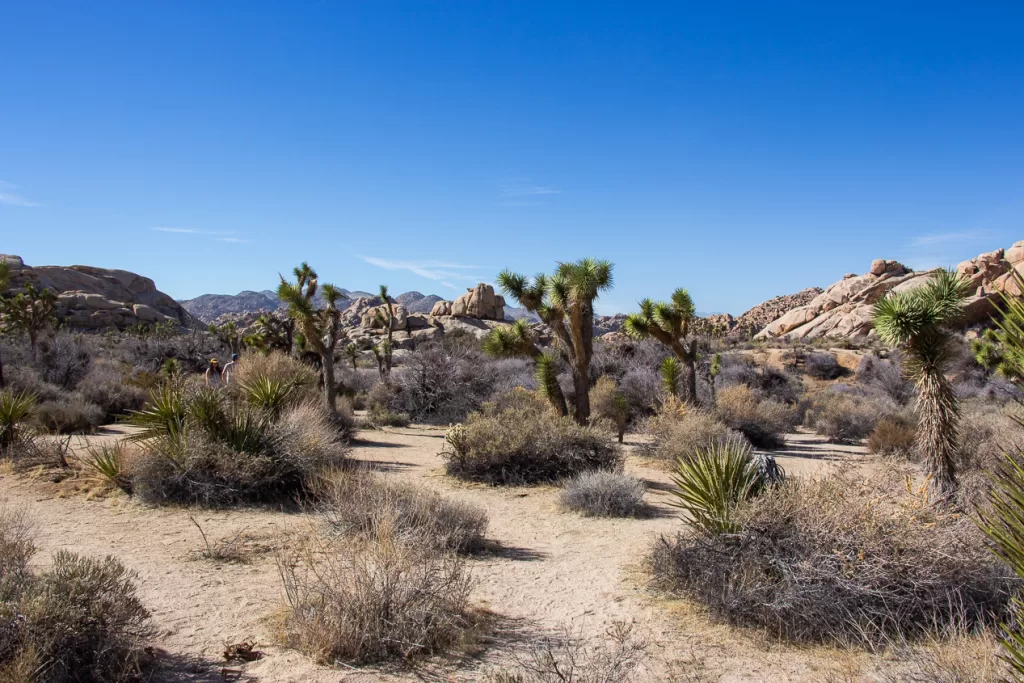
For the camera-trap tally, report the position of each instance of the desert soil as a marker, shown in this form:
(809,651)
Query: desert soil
(549,571)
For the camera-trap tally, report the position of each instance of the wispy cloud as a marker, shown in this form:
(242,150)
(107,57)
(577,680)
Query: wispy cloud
(439,271)
(218,235)
(527,190)
(948,237)
(10,196)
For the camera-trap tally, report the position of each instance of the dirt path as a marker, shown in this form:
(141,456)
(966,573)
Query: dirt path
(553,569)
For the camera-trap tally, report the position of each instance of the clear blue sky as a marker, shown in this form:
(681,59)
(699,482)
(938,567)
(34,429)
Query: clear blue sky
(742,151)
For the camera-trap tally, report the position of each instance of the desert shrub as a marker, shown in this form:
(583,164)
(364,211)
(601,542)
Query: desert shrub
(842,561)
(518,439)
(763,421)
(893,435)
(822,366)
(16,409)
(678,435)
(80,620)
(280,369)
(608,405)
(378,416)
(105,385)
(201,448)
(439,385)
(64,360)
(845,417)
(642,389)
(604,494)
(886,375)
(69,414)
(360,504)
(388,597)
(767,381)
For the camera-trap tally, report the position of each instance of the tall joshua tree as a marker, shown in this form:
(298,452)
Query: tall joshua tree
(918,323)
(516,340)
(565,301)
(319,326)
(386,317)
(669,323)
(30,311)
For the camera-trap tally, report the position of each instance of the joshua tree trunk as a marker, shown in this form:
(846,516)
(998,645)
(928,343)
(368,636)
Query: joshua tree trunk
(32,342)
(581,399)
(329,388)
(939,411)
(3,382)
(686,352)
(583,351)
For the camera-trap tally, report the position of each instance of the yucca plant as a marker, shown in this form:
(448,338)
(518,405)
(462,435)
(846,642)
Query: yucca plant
(107,460)
(670,323)
(565,302)
(268,394)
(15,410)
(918,323)
(246,430)
(713,481)
(164,416)
(517,340)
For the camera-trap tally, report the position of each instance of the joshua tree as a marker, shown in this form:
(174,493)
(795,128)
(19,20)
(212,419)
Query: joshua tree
(352,353)
(271,332)
(565,301)
(716,370)
(228,334)
(516,340)
(30,311)
(670,374)
(319,326)
(917,322)
(669,323)
(386,317)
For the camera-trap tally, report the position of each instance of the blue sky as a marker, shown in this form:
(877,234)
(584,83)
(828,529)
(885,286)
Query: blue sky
(742,151)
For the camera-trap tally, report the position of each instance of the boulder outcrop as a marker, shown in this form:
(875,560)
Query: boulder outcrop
(478,302)
(845,309)
(91,298)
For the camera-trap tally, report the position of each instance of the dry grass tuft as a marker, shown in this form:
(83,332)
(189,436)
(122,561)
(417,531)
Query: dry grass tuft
(604,494)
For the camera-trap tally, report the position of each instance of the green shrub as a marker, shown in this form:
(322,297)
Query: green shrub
(519,439)
(15,411)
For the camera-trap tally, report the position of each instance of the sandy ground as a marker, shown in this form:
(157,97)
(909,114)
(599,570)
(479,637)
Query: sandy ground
(551,570)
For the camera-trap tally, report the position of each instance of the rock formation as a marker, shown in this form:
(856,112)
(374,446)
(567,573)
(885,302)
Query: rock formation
(91,298)
(758,317)
(845,308)
(478,302)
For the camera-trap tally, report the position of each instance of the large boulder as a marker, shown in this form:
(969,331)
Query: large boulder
(478,302)
(92,298)
(374,318)
(845,309)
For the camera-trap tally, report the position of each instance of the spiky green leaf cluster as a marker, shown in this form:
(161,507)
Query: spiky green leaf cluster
(712,482)
(666,321)
(15,410)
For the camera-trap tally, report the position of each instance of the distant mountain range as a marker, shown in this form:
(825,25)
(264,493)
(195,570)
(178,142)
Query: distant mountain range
(209,307)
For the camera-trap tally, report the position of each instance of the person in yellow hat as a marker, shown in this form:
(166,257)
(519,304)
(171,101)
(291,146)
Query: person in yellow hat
(214,375)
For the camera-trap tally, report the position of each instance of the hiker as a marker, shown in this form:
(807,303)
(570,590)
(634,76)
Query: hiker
(214,377)
(229,368)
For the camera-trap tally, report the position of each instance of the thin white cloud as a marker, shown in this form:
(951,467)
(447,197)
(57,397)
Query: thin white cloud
(439,271)
(10,197)
(218,235)
(947,237)
(233,240)
(527,190)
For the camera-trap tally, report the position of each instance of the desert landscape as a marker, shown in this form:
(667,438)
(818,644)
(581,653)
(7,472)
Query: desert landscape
(365,492)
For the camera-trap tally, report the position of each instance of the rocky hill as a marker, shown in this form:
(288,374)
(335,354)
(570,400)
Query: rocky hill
(758,317)
(845,308)
(91,298)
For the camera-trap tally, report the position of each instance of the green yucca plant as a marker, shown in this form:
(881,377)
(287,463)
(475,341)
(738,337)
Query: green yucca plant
(713,481)
(268,394)
(671,372)
(671,323)
(164,416)
(107,460)
(15,409)
(246,430)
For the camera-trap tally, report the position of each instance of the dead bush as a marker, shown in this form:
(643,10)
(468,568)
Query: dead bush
(764,422)
(360,504)
(604,494)
(822,366)
(69,414)
(106,385)
(894,435)
(886,375)
(845,417)
(387,597)
(840,560)
(80,620)
(679,435)
(518,439)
